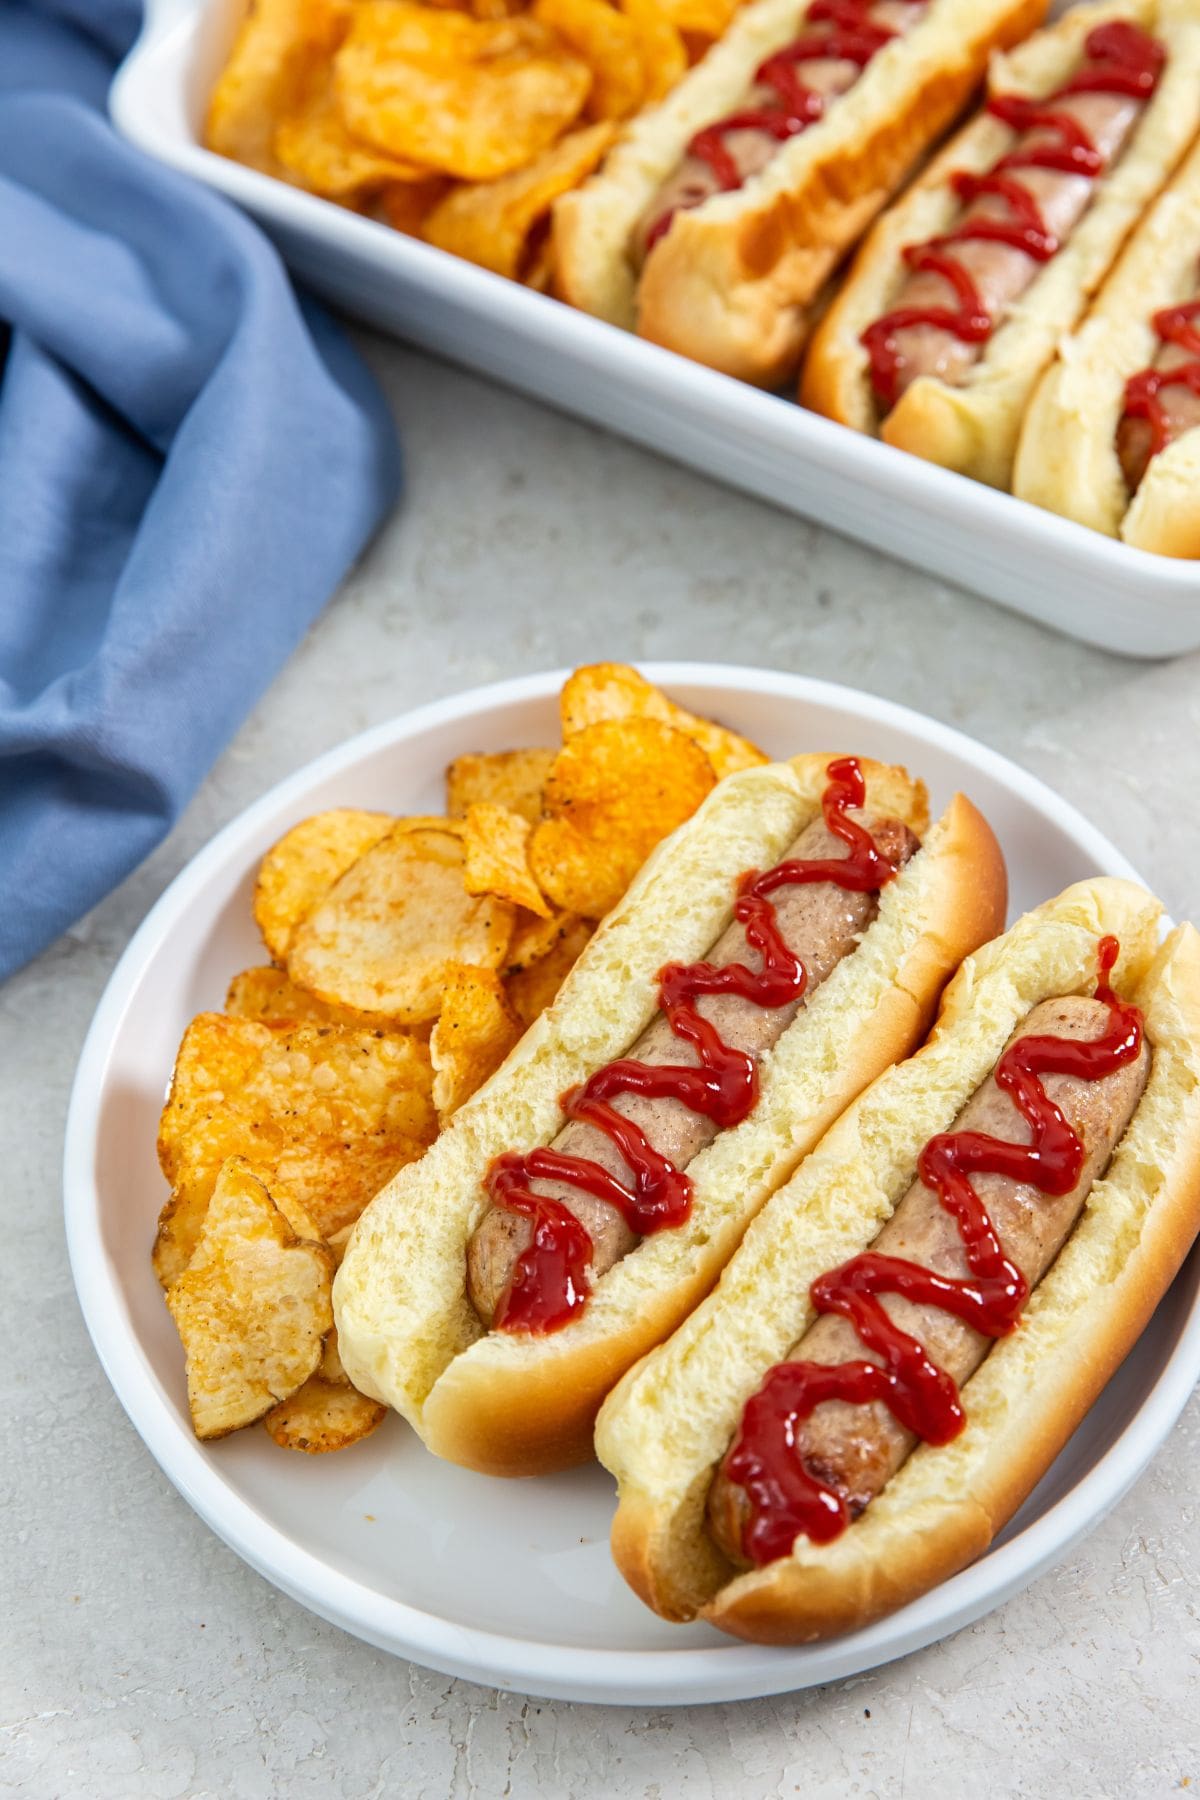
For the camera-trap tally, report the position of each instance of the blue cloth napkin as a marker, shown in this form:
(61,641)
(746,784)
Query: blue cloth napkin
(190,458)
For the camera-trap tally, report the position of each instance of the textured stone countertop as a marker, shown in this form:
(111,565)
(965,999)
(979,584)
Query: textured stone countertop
(140,1657)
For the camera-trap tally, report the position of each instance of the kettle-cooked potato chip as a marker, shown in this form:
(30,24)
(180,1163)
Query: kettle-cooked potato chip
(328,1412)
(325,1113)
(616,691)
(269,995)
(493,223)
(616,789)
(406,205)
(475,1031)
(496,843)
(474,98)
(512,778)
(282,47)
(319,153)
(252,1307)
(660,46)
(608,43)
(301,868)
(384,939)
(534,986)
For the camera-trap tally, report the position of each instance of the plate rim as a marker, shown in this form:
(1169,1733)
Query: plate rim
(686,1676)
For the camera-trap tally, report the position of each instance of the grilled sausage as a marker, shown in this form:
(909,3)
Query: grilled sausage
(820,923)
(857,1449)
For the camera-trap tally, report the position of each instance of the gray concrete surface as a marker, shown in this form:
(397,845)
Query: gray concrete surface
(138,1657)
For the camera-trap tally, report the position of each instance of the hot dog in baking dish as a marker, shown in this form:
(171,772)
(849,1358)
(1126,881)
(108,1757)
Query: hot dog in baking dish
(1110,437)
(916,1322)
(774,955)
(719,214)
(954,304)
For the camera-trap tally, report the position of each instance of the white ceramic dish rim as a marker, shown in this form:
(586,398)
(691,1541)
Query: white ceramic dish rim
(990,518)
(648,1678)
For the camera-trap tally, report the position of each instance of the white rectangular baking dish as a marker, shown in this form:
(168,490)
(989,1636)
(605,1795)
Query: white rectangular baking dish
(1061,573)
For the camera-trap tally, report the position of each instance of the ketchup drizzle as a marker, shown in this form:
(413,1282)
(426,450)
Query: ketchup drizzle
(550,1281)
(852,38)
(786,1499)
(1120,58)
(1174,325)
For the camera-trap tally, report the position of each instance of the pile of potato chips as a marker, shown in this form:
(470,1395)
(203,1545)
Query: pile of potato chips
(408,955)
(460,121)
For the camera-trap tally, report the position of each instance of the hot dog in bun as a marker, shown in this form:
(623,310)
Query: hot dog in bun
(779,950)
(917,1320)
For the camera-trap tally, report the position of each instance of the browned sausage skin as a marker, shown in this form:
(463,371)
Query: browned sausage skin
(857,1449)
(820,923)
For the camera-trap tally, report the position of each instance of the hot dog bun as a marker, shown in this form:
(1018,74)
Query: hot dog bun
(973,428)
(518,1405)
(667,1425)
(1067,457)
(731,283)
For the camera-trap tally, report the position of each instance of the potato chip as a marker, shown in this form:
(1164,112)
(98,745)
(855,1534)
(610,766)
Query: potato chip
(385,937)
(475,1031)
(615,691)
(608,43)
(302,867)
(269,995)
(700,18)
(319,153)
(251,1308)
(496,846)
(325,1113)
(328,1412)
(495,223)
(660,46)
(535,937)
(512,778)
(534,987)
(473,98)
(406,205)
(282,46)
(616,789)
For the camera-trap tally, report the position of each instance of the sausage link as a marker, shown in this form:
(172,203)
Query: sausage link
(1181,409)
(857,1449)
(1001,272)
(820,924)
(693,181)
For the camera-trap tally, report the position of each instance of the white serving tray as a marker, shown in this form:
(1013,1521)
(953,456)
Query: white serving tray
(1061,573)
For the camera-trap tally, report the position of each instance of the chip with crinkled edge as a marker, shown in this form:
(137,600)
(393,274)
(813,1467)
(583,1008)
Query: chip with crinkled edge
(511,778)
(496,843)
(608,43)
(281,48)
(617,691)
(386,935)
(304,864)
(534,987)
(475,1031)
(466,97)
(495,223)
(616,789)
(328,1412)
(534,938)
(325,1114)
(252,1307)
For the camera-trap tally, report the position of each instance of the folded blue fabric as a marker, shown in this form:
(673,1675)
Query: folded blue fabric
(190,459)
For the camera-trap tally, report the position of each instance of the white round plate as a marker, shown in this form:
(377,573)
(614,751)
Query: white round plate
(510,1583)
